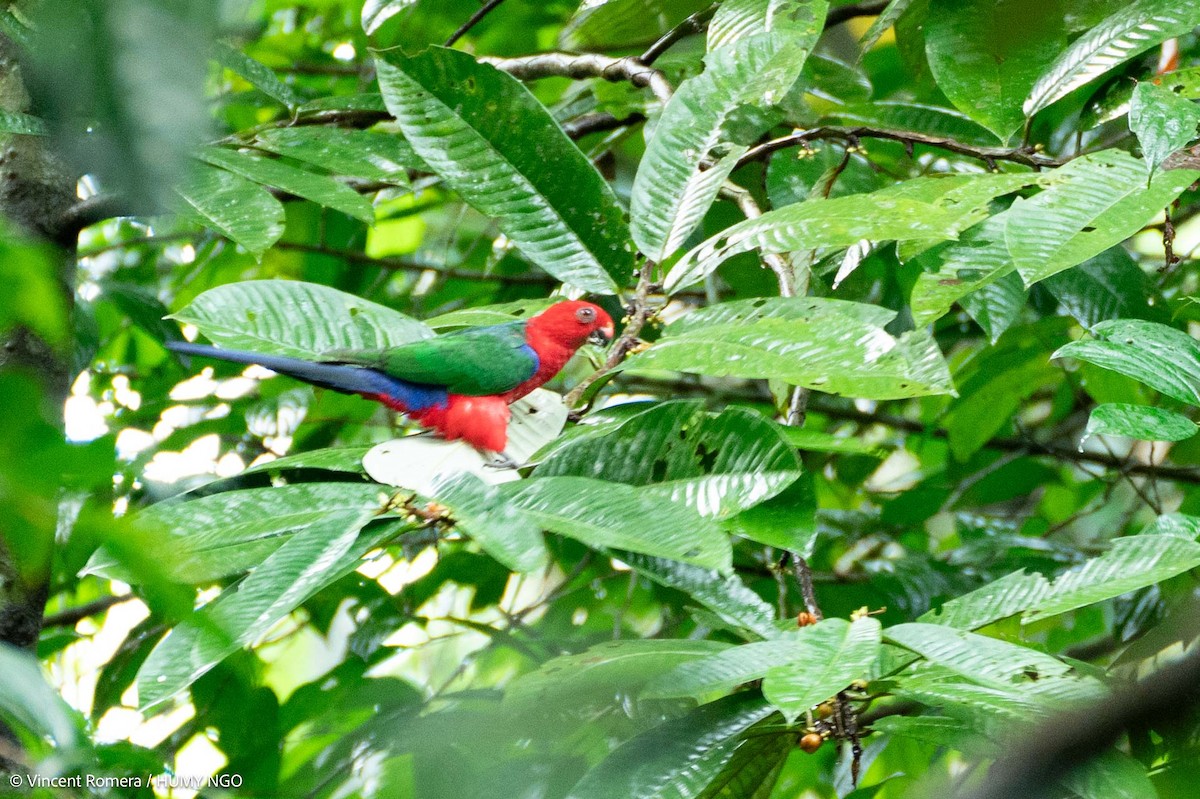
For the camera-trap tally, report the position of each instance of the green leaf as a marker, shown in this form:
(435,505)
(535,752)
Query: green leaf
(1166,359)
(26,699)
(1134,29)
(590,677)
(754,768)
(16,122)
(303,320)
(321,189)
(333,459)
(1133,562)
(977,657)
(692,151)
(1111,775)
(234,207)
(1087,206)
(839,652)
(218,535)
(498,314)
(725,595)
(1141,422)
(996,305)
(830,345)
(1011,594)
(482,512)
(953,270)
(355,153)
(986,55)
(477,128)
(735,20)
(305,563)
(929,119)
(258,74)
(607,24)
(676,759)
(718,465)
(1162,121)
(603,514)
(929,209)
(1107,286)
(377,12)
(886,19)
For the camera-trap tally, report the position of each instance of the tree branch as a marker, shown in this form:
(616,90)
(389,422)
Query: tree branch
(843,13)
(1026,156)
(692,25)
(588,65)
(72,616)
(601,122)
(488,8)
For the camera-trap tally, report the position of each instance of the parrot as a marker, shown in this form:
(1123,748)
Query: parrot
(458,384)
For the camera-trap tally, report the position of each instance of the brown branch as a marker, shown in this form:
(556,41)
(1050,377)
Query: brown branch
(488,8)
(843,13)
(639,312)
(804,577)
(587,65)
(402,265)
(693,24)
(600,122)
(72,616)
(1026,156)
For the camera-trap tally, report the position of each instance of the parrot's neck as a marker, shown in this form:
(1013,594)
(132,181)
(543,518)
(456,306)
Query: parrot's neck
(552,354)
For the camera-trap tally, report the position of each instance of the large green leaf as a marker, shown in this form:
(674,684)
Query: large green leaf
(1131,30)
(321,189)
(929,119)
(591,677)
(605,24)
(603,514)
(355,153)
(480,511)
(258,74)
(953,270)
(726,596)
(1087,206)
(996,305)
(1133,562)
(1011,594)
(1162,120)
(1112,775)
(719,465)
(1143,422)
(840,652)
(977,657)
(830,345)
(1110,285)
(927,210)
(223,534)
(304,564)
(754,768)
(303,320)
(677,759)
(735,20)
(234,207)
(492,142)
(987,54)
(376,12)
(693,149)
(1166,359)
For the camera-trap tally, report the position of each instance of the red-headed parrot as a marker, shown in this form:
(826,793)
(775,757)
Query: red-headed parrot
(459,384)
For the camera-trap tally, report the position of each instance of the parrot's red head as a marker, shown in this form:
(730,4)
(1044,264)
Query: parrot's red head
(573,322)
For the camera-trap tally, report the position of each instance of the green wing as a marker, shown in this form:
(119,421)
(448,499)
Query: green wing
(476,361)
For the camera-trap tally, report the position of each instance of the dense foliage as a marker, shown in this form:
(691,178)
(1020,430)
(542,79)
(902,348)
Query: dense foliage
(889,485)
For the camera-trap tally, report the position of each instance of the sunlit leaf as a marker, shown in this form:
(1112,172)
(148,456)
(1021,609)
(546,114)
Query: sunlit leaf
(839,653)
(234,207)
(1166,359)
(1163,122)
(1142,422)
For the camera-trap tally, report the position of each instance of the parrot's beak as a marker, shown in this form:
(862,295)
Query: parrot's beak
(601,336)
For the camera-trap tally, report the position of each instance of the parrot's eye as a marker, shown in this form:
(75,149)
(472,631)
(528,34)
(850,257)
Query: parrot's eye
(586,315)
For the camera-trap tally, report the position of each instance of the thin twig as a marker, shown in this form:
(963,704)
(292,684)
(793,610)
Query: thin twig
(599,122)
(488,7)
(1018,155)
(639,312)
(693,24)
(804,577)
(72,616)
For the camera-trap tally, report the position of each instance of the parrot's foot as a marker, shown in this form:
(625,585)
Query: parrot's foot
(499,460)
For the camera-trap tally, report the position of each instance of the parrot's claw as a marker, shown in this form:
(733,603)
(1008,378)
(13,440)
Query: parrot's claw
(499,460)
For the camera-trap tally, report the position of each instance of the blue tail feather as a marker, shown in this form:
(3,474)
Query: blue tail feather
(338,377)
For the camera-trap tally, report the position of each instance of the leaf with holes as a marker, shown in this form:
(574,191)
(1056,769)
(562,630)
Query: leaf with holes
(1085,207)
(491,141)
(693,151)
(1162,121)
(1130,31)
(1166,359)
(833,346)
(1141,422)
(303,320)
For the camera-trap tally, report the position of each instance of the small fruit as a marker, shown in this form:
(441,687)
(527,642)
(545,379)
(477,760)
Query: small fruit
(805,619)
(811,742)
